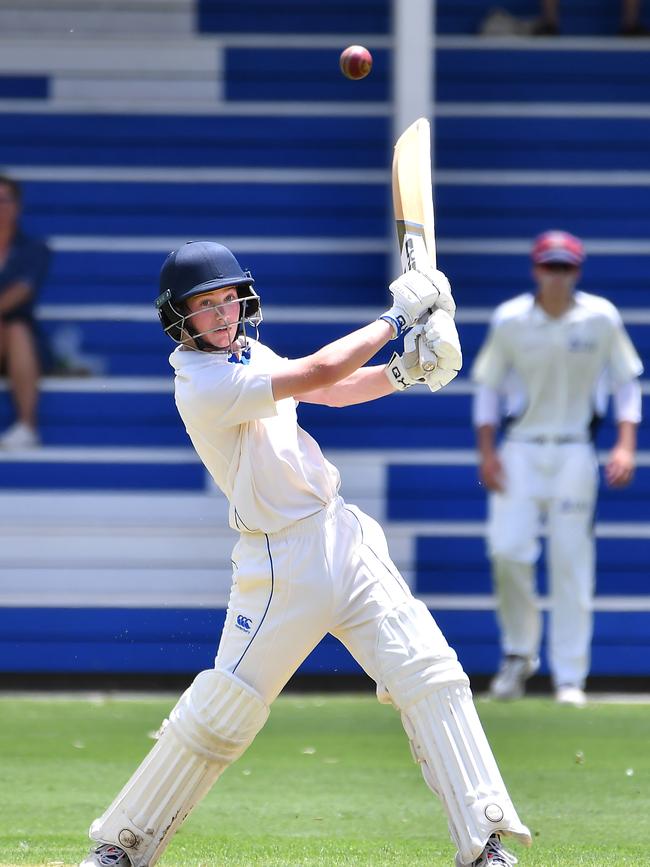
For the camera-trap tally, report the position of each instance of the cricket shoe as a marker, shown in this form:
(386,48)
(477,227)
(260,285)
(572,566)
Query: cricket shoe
(106,855)
(19,436)
(571,695)
(510,680)
(494,855)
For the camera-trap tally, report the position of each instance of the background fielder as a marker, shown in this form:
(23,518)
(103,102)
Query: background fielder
(547,365)
(306,562)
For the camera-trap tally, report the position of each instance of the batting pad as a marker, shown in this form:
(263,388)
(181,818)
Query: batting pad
(448,741)
(215,720)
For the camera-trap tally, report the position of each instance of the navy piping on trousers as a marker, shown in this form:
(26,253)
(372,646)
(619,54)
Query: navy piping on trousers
(268,548)
(375,555)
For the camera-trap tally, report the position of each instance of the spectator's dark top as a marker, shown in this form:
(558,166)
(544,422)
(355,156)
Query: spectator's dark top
(27,262)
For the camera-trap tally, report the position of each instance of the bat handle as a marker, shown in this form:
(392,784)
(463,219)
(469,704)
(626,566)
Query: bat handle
(428,360)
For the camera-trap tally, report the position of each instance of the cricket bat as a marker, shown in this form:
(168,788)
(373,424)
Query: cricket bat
(413,206)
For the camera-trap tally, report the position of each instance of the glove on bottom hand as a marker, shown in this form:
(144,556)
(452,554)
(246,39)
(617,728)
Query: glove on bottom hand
(441,339)
(432,342)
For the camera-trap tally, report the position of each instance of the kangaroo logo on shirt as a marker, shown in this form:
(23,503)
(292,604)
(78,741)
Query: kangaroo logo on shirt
(243,623)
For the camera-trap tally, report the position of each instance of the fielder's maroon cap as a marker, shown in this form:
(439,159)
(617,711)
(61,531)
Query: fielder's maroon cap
(557,246)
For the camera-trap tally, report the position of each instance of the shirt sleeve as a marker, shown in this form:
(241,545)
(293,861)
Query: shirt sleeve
(627,402)
(486,406)
(30,264)
(224,396)
(624,361)
(491,363)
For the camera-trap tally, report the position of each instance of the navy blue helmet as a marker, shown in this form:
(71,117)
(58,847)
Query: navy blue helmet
(195,268)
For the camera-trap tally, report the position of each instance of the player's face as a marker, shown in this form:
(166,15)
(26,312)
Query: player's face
(215,316)
(556,277)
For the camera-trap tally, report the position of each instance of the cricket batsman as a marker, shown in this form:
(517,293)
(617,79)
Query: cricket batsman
(306,563)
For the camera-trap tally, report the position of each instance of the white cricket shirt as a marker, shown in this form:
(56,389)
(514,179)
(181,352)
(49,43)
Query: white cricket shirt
(551,370)
(272,472)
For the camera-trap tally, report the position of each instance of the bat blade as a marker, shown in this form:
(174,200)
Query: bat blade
(413,207)
(412,195)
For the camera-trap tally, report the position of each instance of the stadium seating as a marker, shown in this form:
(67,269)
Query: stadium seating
(116,549)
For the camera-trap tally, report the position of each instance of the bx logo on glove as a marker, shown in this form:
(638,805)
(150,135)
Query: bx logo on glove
(243,623)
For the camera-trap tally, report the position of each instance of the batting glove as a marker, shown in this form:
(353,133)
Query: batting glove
(413,294)
(445,300)
(441,340)
(405,370)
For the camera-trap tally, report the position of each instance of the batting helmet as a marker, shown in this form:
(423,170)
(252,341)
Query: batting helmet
(195,268)
(558,246)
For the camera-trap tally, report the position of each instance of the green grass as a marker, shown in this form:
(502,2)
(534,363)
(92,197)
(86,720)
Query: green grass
(329,781)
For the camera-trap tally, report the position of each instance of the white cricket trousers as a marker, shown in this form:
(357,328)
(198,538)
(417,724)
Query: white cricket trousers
(556,483)
(330,572)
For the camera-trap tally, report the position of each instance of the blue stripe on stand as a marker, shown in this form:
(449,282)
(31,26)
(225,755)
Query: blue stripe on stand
(542,143)
(185,640)
(621,643)
(588,17)
(87,476)
(451,566)
(198,210)
(286,73)
(294,16)
(442,420)
(509,211)
(524,75)
(453,493)
(24,87)
(485,281)
(320,279)
(194,140)
(141,348)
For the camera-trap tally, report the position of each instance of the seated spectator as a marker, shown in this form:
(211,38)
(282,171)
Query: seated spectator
(23,268)
(549,23)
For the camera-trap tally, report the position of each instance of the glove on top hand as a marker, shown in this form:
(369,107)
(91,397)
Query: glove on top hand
(416,293)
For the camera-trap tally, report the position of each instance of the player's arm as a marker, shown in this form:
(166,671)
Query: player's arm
(413,294)
(436,331)
(367,383)
(14,295)
(486,416)
(621,463)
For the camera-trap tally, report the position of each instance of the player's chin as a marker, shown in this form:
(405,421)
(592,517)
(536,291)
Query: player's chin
(220,340)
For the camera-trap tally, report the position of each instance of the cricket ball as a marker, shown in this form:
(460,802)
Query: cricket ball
(355,62)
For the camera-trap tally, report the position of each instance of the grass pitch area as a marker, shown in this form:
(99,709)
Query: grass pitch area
(329,781)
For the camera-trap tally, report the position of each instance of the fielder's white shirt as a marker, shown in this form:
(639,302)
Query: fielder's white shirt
(551,371)
(272,472)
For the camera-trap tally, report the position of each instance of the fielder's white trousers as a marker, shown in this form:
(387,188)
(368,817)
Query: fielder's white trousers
(558,483)
(330,572)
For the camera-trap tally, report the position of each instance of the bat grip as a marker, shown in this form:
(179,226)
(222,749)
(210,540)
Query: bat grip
(428,359)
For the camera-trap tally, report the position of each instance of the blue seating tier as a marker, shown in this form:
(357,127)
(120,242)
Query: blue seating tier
(526,75)
(306,279)
(296,74)
(458,566)
(185,640)
(195,140)
(453,493)
(587,18)
(422,421)
(294,16)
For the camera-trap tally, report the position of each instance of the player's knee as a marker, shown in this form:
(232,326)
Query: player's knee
(516,548)
(413,656)
(218,716)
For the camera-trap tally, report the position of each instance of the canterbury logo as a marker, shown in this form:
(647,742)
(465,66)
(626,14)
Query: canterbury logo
(243,623)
